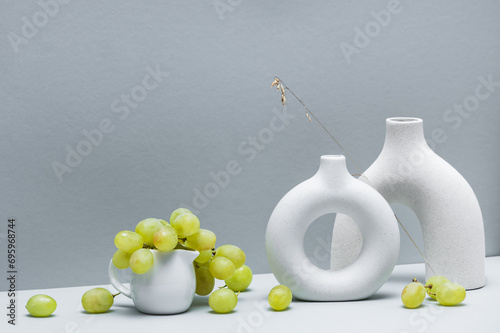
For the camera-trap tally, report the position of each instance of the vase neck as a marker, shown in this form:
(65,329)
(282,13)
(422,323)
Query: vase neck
(333,167)
(402,132)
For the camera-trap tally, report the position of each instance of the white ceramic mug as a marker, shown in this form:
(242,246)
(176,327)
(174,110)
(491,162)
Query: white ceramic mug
(167,288)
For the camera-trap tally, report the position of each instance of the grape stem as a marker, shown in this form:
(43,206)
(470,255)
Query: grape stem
(114,295)
(182,247)
(146,246)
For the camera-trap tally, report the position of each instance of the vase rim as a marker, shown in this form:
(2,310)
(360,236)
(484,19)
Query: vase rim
(173,250)
(333,165)
(404,120)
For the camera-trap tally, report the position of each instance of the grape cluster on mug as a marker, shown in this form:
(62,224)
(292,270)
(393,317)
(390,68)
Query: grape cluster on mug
(437,287)
(227,262)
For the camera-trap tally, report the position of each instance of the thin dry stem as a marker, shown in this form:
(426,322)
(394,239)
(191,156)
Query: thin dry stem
(281,86)
(415,244)
(279,82)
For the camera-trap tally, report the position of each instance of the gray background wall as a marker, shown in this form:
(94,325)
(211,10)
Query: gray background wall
(71,73)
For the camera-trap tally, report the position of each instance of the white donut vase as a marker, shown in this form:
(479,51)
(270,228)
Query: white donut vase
(332,190)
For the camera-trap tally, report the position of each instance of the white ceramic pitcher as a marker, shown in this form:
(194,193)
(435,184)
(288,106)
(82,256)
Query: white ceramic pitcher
(167,288)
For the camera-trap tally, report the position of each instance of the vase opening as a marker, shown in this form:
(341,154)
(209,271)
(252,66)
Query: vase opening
(404,120)
(404,131)
(333,158)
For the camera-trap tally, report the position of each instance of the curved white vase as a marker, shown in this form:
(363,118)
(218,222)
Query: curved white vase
(408,172)
(332,190)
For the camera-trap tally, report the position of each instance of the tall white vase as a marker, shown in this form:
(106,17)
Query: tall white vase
(332,190)
(408,172)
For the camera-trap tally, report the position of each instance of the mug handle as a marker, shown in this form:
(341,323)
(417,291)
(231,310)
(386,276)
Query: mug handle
(115,282)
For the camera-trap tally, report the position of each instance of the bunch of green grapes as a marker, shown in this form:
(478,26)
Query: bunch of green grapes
(152,233)
(227,263)
(437,287)
(183,231)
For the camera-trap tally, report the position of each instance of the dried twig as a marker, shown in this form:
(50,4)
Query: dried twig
(281,89)
(281,86)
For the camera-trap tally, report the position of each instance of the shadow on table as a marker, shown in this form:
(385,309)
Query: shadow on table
(378,296)
(31,316)
(130,309)
(199,301)
(94,314)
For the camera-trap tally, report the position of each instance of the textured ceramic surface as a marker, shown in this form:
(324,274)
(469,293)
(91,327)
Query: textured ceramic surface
(167,288)
(408,172)
(332,190)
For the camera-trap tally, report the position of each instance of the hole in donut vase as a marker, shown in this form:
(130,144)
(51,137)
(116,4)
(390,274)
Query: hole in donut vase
(332,190)
(318,241)
(346,246)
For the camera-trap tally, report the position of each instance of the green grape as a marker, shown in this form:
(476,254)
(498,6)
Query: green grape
(413,294)
(121,259)
(41,305)
(128,241)
(450,293)
(165,239)
(141,261)
(223,300)
(178,212)
(97,300)
(147,228)
(433,284)
(186,224)
(202,240)
(204,256)
(204,280)
(280,297)
(221,268)
(233,253)
(241,279)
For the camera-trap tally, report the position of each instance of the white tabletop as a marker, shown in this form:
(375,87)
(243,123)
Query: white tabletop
(383,312)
